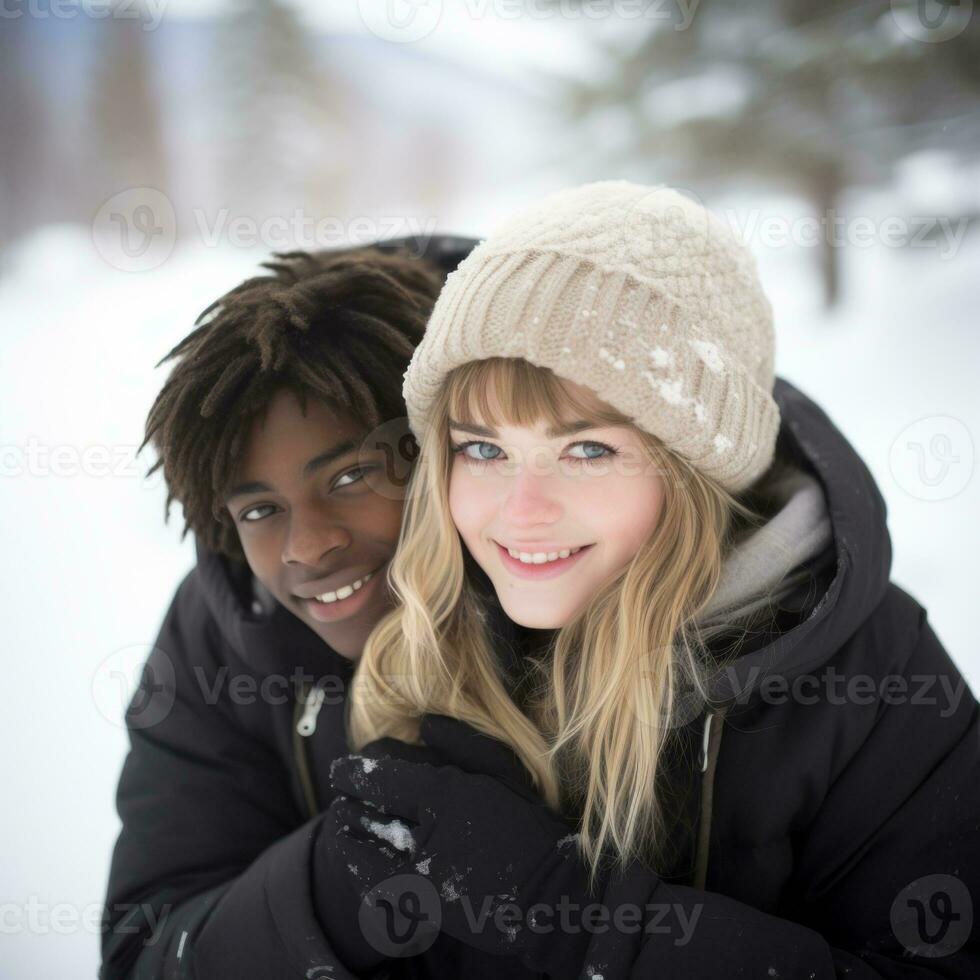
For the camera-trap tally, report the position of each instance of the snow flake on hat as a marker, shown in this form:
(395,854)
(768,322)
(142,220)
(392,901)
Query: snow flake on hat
(670,390)
(616,362)
(661,357)
(709,354)
(722,443)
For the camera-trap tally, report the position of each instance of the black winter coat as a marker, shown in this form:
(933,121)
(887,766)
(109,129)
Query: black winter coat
(829,823)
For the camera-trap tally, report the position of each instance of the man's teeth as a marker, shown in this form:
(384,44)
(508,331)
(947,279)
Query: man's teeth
(540,557)
(344,592)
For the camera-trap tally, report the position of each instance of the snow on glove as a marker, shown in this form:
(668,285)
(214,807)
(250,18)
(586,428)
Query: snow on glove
(475,855)
(338,891)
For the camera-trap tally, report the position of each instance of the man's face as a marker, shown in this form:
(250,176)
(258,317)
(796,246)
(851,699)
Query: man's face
(312,526)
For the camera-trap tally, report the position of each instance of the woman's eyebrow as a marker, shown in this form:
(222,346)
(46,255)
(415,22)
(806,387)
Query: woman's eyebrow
(552,433)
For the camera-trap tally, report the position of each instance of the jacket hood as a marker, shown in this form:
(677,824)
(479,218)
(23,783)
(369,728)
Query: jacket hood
(828,536)
(767,563)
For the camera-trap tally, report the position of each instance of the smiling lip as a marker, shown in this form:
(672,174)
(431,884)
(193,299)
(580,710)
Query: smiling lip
(348,579)
(327,612)
(545,570)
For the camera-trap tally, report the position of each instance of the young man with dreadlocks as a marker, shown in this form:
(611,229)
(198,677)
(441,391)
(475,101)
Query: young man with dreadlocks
(280,431)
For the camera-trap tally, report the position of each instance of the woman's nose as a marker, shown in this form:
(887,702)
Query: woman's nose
(531,499)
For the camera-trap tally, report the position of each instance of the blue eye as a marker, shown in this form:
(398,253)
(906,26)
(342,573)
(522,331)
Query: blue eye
(483,460)
(461,450)
(597,445)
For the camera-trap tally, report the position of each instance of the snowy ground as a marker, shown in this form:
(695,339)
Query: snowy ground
(92,568)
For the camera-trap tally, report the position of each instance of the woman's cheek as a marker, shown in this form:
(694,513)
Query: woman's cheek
(629,511)
(464,502)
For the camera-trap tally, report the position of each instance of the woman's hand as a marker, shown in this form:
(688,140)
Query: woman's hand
(338,890)
(476,854)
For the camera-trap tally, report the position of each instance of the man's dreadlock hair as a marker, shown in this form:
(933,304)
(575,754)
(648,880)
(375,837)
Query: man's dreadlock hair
(338,325)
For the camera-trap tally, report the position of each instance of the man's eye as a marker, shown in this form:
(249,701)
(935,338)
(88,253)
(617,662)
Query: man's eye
(252,510)
(359,470)
(358,473)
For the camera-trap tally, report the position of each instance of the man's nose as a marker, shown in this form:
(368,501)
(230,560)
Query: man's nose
(311,536)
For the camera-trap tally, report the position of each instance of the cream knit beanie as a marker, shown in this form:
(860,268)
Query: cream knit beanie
(636,292)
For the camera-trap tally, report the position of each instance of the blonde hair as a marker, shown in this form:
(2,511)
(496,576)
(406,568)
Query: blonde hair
(608,695)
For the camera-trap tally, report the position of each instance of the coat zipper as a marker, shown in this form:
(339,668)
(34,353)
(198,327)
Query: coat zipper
(313,701)
(704,742)
(308,702)
(710,744)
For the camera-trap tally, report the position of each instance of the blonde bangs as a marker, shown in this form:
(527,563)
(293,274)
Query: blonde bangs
(502,391)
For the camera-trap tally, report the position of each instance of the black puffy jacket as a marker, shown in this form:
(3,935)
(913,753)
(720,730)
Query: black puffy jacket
(828,824)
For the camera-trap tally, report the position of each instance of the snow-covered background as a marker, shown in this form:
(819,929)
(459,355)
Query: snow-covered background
(91,566)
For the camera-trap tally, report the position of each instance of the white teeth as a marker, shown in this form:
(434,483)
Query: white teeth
(344,592)
(541,557)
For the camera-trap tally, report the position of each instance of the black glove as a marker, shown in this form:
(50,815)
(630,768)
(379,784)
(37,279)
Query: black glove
(450,845)
(337,891)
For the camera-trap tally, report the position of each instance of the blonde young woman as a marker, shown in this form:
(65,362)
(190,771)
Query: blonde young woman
(647,653)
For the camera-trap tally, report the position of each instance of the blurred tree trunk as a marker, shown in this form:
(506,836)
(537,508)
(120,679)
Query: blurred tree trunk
(825,193)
